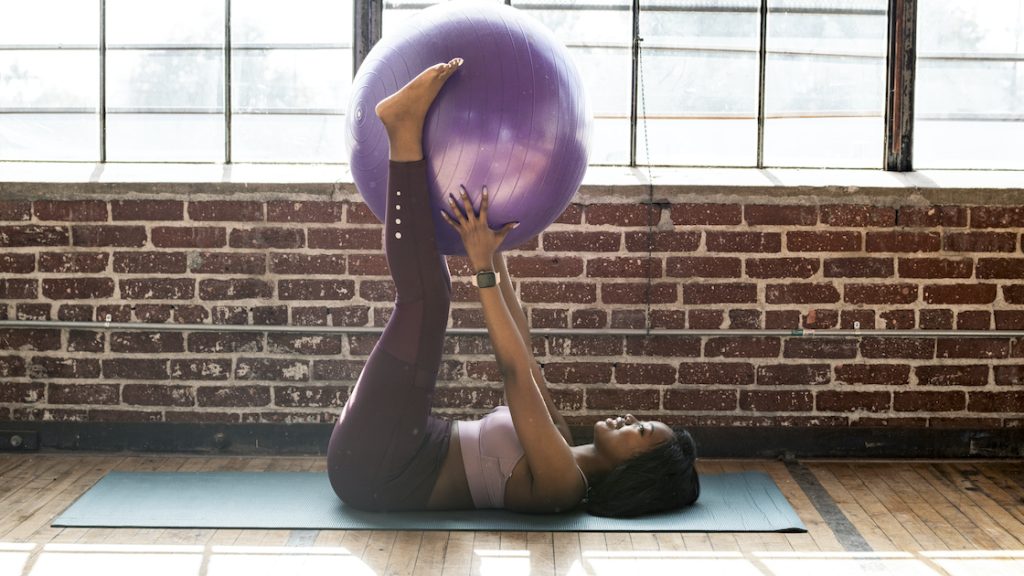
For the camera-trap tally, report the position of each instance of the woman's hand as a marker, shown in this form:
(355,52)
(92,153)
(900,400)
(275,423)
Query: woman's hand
(480,240)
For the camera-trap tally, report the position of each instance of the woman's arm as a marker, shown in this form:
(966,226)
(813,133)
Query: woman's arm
(519,317)
(555,482)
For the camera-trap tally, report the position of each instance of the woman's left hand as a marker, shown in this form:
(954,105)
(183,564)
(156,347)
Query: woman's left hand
(480,240)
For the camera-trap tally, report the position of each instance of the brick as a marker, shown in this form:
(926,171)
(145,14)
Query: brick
(935,268)
(360,214)
(350,315)
(793,375)
(50,368)
(192,314)
(12,367)
(781,319)
(629,373)
(233,396)
(268,237)
(235,289)
(85,341)
(973,348)
(75,288)
(550,292)
(623,400)
(225,210)
(662,241)
(857,216)
(1009,319)
(820,348)
(866,319)
(549,318)
(776,401)
(158,289)
(345,370)
(873,374)
(545,266)
(706,319)
(220,263)
(149,262)
(586,318)
(33,235)
(742,347)
(15,211)
(70,210)
(147,210)
(859,268)
(845,401)
(639,293)
(75,312)
(19,289)
(22,392)
(743,241)
(146,342)
(316,289)
(587,345)
(676,346)
(623,214)
(707,214)
(461,397)
(135,368)
(910,348)
(304,211)
(377,291)
(578,372)
(668,319)
(194,417)
(776,215)
(623,268)
(306,344)
(701,400)
(229,315)
(801,293)
(467,318)
(960,294)
(32,310)
(903,242)
(964,423)
(997,217)
(897,319)
(581,241)
(932,216)
(225,342)
(724,293)
(1013,294)
(629,319)
(1006,402)
(881,293)
(345,238)
(781,267)
(573,214)
(200,369)
(154,313)
(951,375)
(800,241)
(82,394)
(189,237)
(744,319)
(310,396)
(1004,268)
(485,371)
(271,369)
(158,395)
(718,373)
(703,267)
(979,242)
(17,263)
(929,401)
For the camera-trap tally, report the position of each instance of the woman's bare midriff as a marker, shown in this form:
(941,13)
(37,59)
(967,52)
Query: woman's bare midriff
(451,491)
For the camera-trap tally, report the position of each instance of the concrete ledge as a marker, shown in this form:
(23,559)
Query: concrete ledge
(602,184)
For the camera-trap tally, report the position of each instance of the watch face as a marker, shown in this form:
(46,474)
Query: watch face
(485,279)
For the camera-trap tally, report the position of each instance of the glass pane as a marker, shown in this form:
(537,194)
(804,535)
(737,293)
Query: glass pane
(165,137)
(266,22)
(52,137)
(167,85)
(396,12)
(825,83)
(299,138)
(969,108)
(151,22)
(66,22)
(698,91)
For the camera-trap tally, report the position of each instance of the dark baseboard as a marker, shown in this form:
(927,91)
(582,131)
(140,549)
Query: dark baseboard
(311,439)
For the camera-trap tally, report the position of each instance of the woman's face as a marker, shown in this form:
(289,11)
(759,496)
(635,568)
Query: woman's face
(624,437)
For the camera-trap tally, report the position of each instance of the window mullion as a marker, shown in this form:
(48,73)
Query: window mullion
(899,94)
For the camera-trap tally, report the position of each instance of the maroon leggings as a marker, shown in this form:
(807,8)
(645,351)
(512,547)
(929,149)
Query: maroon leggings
(387,449)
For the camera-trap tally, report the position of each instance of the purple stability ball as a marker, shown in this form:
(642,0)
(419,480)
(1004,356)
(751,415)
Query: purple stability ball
(514,117)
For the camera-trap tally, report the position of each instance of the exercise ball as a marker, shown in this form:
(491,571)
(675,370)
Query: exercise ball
(513,118)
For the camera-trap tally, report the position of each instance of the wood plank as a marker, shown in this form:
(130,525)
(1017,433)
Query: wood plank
(986,513)
(483,543)
(431,553)
(943,502)
(458,556)
(567,553)
(873,478)
(919,505)
(850,507)
(404,552)
(541,547)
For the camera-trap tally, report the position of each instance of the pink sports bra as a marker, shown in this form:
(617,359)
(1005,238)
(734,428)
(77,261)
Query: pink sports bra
(490,452)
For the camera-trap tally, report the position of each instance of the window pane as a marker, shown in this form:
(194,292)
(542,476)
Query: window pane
(969,108)
(165,76)
(49,96)
(825,83)
(698,96)
(291,75)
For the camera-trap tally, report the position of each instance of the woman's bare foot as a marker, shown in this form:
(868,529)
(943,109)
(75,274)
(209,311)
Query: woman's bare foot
(404,112)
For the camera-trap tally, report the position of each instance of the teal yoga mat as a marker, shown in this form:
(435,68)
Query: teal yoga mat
(739,502)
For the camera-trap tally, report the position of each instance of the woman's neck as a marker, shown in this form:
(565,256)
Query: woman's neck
(593,464)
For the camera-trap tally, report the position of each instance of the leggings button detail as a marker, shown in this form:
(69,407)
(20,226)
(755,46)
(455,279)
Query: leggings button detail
(398,234)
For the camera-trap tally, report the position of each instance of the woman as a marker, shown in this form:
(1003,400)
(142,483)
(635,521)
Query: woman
(387,452)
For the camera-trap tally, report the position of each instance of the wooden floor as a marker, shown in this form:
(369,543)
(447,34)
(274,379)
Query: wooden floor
(917,518)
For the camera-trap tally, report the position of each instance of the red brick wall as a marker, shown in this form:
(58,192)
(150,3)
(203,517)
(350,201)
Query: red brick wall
(756,264)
